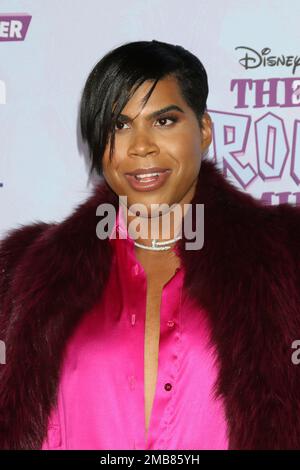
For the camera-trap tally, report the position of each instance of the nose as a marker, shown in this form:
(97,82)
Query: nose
(142,144)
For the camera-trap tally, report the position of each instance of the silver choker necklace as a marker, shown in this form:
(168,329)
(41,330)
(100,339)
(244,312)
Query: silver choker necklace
(156,245)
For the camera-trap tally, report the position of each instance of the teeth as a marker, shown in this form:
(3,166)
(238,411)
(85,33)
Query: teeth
(147,175)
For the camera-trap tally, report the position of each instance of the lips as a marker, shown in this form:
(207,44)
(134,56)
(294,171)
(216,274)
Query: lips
(147,179)
(144,171)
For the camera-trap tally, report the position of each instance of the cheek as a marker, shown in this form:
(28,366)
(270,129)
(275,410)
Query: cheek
(182,145)
(116,159)
(112,178)
(193,152)
(187,154)
(110,167)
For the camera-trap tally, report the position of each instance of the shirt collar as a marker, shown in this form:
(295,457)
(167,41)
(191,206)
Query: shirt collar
(120,231)
(120,227)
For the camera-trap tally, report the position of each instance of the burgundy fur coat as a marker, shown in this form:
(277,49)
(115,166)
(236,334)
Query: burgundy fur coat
(247,277)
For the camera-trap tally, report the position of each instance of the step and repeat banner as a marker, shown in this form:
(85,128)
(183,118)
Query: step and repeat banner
(251,52)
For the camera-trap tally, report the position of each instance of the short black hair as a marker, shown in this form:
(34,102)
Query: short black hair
(116,77)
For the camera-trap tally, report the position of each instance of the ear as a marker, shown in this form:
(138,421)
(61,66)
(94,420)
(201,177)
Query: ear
(206,131)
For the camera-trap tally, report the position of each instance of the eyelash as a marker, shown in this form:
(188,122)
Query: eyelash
(171,118)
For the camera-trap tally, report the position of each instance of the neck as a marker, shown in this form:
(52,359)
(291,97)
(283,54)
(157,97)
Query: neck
(163,229)
(146,229)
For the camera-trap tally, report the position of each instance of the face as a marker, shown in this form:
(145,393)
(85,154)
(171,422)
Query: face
(169,143)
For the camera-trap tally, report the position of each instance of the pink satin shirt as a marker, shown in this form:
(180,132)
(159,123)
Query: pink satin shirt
(101,389)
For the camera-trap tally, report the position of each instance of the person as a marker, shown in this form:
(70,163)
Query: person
(124,339)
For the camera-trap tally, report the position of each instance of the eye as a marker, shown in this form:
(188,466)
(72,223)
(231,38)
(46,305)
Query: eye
(173,119)
(118,123)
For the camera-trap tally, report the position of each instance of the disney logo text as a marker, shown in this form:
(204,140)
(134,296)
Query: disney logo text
(253,59)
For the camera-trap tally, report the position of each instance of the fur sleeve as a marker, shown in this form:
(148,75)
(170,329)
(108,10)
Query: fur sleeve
(290,218)
(12,249)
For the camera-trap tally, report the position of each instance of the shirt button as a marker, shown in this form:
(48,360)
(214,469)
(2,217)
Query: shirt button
(135,270)
(131,382)
(168,387)
(170,323)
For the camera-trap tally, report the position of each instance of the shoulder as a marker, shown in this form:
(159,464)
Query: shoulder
(281,232)
(13,247)
(14,244)
(290,215)
(288,218)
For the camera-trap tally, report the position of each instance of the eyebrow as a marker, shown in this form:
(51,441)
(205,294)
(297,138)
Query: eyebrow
(155,114)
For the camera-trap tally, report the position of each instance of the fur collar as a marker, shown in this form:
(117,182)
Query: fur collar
(245,276)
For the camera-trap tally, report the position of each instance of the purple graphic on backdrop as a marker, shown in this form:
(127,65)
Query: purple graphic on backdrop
(273,149)
(14,26)
(2,102)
